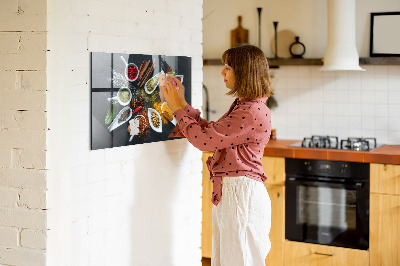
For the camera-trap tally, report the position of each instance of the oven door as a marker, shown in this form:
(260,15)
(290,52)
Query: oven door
(327,213)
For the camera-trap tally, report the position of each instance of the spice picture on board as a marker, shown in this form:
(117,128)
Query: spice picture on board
(127,106)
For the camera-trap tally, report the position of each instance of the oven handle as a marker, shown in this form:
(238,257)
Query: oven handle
(357,185)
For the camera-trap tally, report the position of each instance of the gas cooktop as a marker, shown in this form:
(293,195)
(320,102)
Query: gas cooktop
(332,142)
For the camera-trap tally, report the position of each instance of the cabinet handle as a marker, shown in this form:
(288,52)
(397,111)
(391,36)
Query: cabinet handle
(324,254)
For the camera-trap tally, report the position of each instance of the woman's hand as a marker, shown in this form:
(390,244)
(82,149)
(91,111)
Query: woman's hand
(174,93)
(181,91)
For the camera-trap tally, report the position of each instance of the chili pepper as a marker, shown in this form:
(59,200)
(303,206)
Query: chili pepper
(137,109)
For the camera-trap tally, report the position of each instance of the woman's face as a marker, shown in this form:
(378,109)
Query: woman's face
(229,76)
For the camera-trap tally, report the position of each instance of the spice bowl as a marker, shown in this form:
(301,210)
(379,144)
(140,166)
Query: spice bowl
(151,85)
(122,117)
(155,120)
(131,70)
(124,96)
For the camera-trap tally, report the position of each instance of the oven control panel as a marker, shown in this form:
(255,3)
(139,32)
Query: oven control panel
(337,169)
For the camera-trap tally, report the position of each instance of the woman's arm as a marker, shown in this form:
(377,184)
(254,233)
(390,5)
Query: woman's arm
(173,92)
(239,127)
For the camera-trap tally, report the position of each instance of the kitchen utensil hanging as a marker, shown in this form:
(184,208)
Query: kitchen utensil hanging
(276,38)
(297,49)
(259,9)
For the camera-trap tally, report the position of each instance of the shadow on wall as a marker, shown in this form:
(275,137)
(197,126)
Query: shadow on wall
(152,213)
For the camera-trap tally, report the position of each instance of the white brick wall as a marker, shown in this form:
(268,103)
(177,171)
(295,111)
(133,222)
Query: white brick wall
(23,132)
(136,205)
(107,207)
(33,239)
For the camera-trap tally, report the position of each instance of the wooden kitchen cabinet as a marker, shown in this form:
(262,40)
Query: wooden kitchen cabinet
(274,168)
(206,225)
(385,178)
(277,233)
(385,215)
(384,236)
(305,254)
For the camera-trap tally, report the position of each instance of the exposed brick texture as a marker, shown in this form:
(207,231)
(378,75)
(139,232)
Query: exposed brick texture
(23,125)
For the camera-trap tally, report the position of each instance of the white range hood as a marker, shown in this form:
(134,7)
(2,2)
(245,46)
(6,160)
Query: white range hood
(341,51)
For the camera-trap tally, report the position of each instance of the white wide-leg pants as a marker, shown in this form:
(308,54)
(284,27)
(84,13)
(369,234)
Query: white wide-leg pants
(241,223)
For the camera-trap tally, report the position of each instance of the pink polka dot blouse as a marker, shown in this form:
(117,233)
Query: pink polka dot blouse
(238,139)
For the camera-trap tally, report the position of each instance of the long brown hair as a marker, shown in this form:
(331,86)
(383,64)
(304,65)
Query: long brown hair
(250,66)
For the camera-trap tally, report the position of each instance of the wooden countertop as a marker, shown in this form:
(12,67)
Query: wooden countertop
(389,154)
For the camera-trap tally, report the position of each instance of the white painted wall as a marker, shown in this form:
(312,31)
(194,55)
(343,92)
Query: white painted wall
(306,19)
(344,103)
(136,205)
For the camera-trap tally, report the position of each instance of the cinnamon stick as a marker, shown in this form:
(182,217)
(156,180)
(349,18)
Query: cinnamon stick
(146,64)
(147,74)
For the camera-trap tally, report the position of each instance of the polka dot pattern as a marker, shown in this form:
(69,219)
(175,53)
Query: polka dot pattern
(238,139)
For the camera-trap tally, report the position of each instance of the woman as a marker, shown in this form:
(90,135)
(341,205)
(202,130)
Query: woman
(242,208)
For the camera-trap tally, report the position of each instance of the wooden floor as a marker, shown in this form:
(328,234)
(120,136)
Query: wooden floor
(206,261)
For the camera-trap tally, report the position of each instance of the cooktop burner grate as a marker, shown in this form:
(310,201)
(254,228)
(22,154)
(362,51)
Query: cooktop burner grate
(332,142)
(358,144)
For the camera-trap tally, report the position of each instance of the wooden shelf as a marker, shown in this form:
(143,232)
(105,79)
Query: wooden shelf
(274,63)
(380,61)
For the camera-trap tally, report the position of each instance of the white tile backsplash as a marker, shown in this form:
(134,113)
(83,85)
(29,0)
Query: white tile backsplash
(381,110)
(381,97)
(394,123)
(367,96)
(381,83)
(394,110)
(380,71)
(394,97)
(345,103)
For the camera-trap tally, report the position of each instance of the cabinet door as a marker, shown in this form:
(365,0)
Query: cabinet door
(385,178)
(304,254)
(277,233)
(384,230)
(206,226)
(274,168)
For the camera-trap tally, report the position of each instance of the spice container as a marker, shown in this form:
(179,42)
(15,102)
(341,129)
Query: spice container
(273,134)
(131,70)
(124,96)
(123,116)
(152,83)
(155,120)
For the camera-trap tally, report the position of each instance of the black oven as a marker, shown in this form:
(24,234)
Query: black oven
(327,202)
